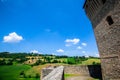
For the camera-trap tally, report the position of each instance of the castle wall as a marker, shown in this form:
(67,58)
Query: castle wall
(90,70)
(108,38)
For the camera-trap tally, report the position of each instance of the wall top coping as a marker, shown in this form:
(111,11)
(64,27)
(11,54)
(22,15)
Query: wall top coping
(56,74)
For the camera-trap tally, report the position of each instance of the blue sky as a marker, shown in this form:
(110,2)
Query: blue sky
(58,27)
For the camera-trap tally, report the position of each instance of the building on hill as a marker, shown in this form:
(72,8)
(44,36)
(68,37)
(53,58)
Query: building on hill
(105,18)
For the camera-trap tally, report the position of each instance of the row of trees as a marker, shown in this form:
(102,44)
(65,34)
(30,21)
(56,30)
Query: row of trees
(68,60)
(41,59)
(6,62)
(11,61)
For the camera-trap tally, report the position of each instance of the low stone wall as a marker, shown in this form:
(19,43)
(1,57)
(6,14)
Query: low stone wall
(90,70)
(83,70)
(55,74)
(76,70)
(46,71)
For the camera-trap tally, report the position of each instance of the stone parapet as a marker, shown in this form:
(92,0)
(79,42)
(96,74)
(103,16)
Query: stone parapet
(55,74)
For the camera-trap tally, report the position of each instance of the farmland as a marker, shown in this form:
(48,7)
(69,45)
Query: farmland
(24,66)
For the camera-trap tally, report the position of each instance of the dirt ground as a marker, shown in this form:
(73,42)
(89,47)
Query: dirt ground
(80,78)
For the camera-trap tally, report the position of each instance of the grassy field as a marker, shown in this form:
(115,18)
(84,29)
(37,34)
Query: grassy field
(12,72)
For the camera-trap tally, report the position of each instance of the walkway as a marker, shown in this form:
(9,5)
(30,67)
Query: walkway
(80,78)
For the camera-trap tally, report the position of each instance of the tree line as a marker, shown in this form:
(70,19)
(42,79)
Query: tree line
(11,58)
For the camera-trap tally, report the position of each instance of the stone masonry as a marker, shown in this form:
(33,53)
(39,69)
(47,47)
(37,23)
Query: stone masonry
(105,18)
(82,70)
(46,71)
(56,73)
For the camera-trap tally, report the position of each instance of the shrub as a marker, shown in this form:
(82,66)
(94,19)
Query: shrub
(71,61)
(29,76)
(55,61)
(22,74)
(37,75)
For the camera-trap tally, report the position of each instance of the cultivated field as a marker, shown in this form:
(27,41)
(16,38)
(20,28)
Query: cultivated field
(29,66)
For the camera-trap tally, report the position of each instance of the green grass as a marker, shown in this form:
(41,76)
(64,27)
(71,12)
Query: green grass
(75,75)
(12,72)
(70,75)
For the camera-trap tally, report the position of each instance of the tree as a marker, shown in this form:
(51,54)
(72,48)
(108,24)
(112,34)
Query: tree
(9,62)
(55,61)
(71,61)
(2,62)
(48,60)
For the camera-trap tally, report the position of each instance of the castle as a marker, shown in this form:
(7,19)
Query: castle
(105,18)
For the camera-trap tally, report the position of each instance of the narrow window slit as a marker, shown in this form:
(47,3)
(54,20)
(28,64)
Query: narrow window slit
(109,20)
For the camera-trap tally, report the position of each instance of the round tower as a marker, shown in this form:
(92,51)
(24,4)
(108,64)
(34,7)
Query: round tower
(105,18)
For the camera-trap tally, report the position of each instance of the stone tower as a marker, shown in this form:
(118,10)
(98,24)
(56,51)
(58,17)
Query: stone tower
(105,18)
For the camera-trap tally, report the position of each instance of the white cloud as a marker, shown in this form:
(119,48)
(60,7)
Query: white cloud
(68,45)
(34,51)
(83,52)
(97,55)
(70,42)
(60,50)
(79,47)
(53,53)
(86,55)
(84,44)
(12,38)
(74,41)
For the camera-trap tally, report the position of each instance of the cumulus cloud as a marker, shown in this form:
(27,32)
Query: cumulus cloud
(84,44)
(53,53)
(74,41)
(97,55)
(34,51)
(70,42)
(67,45)
(79,47)
(60,50)
(86,55)
(12,38)
(83,52)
